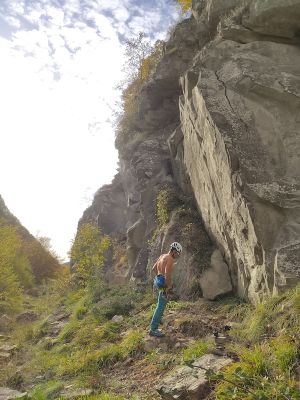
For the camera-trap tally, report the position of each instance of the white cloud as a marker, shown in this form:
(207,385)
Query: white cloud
(57,95)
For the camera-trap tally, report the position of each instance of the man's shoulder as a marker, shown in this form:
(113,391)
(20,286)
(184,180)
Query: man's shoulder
(165,257)
(168,258)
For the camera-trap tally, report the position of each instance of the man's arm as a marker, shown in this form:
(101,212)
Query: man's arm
(154,268)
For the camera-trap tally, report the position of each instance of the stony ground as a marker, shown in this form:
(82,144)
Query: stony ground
(182,328)
(184,324)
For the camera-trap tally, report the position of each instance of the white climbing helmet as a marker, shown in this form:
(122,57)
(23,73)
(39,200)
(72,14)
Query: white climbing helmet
(176,246)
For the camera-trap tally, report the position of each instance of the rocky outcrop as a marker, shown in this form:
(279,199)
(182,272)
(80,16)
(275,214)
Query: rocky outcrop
(10,394)
(191,382)
(228,137)
(241,141)
(215,281)
(146,166)
(109,209)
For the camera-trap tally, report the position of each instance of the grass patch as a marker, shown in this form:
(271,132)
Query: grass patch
(47,391)
(196,350)
(89,359)
(276,315)
(259,375)
(268,347)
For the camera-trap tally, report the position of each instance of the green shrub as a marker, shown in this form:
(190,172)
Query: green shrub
(110,307)
(116,301)
(88,251)
(285,353)
(69,330)
(81,308)
(167,201)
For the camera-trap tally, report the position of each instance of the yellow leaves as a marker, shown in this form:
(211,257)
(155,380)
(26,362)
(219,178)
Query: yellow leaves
(10,291)
(144,65)
(43,264)
(10,243)
(13,268)
(145,68)
(88,250)
(185,5)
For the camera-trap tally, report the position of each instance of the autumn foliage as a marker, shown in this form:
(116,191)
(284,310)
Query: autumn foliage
(44,265)
(185,5)
(88,251)
(141,59)
(15,270)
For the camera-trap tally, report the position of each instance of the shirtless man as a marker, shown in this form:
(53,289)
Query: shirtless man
(163,266)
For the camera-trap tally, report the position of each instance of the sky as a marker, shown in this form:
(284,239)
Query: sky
(60,64)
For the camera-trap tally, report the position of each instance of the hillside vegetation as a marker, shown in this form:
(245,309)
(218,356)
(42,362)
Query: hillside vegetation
(78,347)
(77,337)
(24,262)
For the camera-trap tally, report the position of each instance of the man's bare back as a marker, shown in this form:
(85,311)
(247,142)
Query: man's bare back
(164,266)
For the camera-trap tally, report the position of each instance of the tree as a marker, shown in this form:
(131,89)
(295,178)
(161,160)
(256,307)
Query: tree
(136,50)
(185,5)
(141,59)
(15,270)
(43,264)
(88,249)
(46,244)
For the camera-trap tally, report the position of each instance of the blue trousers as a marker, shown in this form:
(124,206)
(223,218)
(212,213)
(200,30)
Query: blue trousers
(158,313)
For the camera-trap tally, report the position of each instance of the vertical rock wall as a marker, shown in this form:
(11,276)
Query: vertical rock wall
(242,144)
(219,119)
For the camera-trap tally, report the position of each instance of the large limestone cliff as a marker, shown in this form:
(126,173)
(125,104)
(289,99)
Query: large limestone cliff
(218,121)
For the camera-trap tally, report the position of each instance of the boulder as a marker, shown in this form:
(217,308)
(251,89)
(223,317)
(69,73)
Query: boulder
(10,394)
(117,318)
(215,281)
(191,383)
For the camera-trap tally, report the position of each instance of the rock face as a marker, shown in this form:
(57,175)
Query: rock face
(216,281)
(228,137)
(109,209)
(241,141)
